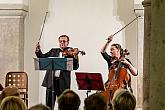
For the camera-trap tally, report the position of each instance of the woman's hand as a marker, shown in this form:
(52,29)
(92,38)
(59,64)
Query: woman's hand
(125,61)
(110,38)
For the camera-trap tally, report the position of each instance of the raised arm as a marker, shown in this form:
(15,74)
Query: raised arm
(103,49)
(39,53)
(38,50)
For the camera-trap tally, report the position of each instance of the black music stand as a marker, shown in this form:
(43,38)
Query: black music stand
(89,81)
(53,63)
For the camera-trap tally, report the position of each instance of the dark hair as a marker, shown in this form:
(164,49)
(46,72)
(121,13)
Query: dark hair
(118,46)
(68,100)
(95,102)
(64,36)
(10,91)
(39,107)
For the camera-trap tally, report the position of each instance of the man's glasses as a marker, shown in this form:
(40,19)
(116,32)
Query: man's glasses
(62,41)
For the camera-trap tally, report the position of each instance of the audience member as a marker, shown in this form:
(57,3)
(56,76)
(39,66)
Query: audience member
(39,107)
(12,103)
(9,91)
(123,100)
(68,100)
(95,102)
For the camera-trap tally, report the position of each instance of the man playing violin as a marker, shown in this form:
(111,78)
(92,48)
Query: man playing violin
(115,78)
(61,79)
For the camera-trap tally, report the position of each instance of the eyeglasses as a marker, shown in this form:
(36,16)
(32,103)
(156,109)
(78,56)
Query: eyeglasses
(62,41)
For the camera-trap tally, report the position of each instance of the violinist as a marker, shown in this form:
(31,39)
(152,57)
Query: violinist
(61,79)
(113,60)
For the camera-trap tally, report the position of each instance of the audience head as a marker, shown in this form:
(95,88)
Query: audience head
(95,102)
(39,107)
(123,100)
(68,100)
(12,103)
(10,91)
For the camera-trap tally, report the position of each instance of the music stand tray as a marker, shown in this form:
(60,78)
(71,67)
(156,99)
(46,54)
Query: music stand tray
(53,63)
(89,81)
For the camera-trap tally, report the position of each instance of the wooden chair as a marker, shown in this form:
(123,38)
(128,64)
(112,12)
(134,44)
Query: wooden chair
(1,87)
(20,80)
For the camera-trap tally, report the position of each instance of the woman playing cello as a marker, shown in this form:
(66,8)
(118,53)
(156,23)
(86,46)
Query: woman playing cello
(118,65)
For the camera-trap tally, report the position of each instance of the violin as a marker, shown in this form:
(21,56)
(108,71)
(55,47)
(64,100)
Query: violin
(72,52)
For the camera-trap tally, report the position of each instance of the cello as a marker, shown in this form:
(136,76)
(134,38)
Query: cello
(118,77)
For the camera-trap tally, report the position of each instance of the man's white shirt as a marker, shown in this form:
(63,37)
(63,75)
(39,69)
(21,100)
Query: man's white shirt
(57,72)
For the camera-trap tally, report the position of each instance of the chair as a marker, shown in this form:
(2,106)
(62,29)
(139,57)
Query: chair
(20,80)
(1,87)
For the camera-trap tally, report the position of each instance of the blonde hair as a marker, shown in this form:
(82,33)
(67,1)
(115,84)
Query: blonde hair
(12,103)
(123,100)
(39,107)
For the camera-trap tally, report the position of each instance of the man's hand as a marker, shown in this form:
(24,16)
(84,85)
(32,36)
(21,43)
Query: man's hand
(37,47)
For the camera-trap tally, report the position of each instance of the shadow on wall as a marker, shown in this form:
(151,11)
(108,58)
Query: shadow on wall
(123,10)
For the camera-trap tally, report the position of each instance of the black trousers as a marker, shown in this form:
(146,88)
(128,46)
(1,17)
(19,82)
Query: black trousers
(52,92)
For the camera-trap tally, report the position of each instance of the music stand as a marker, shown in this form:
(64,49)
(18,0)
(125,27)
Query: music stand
(53,63)
(89,81)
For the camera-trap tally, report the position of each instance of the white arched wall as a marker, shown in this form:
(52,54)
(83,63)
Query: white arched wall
(88,23)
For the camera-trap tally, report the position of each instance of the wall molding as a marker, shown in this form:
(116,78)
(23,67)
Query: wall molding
(13,10)
(139,10)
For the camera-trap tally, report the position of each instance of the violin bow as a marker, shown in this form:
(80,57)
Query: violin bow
(125,26)
(42,27)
